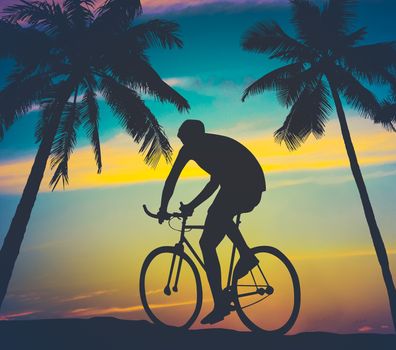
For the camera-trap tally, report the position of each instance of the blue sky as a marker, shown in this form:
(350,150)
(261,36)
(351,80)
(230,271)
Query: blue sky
(217,68)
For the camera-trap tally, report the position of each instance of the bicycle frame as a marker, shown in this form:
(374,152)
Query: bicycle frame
(235,289)
(184,240)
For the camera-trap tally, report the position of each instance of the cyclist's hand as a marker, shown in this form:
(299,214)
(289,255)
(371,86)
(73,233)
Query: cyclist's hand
(186,209)
(162,216)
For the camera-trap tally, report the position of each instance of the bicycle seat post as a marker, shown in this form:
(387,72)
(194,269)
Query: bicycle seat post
(183,229)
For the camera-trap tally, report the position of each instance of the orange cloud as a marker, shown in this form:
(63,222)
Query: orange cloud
(365,329)
(6,317)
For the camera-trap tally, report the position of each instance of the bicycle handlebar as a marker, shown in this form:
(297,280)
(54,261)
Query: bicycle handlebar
(149,213)
(155,216)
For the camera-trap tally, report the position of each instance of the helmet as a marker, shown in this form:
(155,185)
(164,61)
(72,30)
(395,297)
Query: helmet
(191,129)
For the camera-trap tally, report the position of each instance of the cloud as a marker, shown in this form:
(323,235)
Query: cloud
(155,291)
(90,295)
(123,165)
(11,316)
(365,329)
(88,312)
(187,6)
(324,178)
(25,296)
(42,246)
(338,255)
(206,86)
(183,82)
(164,6)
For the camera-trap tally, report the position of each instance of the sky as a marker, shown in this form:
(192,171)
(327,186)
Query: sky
(85,245)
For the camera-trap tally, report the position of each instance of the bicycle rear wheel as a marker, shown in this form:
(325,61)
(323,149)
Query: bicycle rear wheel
(170,288)
(268,298)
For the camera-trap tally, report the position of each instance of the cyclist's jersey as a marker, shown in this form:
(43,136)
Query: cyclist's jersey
(227,161)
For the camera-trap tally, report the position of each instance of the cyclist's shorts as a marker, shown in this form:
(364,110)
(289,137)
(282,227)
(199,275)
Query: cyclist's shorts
(233,201)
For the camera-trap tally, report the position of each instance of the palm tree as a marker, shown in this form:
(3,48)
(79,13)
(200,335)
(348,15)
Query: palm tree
(387,111)
(65,55)
(325,62)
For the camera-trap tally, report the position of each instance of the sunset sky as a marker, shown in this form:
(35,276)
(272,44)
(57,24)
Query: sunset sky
(85,245)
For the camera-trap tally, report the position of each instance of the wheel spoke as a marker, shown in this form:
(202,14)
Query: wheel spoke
(275,315)
(255,302)
(251,273)
(262,274)
(252,285)
(257,291)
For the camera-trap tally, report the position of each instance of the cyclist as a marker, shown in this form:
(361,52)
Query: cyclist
(236,171)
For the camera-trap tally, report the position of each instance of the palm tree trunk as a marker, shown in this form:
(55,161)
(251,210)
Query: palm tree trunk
(13,240)
(368,209)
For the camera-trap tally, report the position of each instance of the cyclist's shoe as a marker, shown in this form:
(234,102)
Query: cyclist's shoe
(245,264)
(216,315)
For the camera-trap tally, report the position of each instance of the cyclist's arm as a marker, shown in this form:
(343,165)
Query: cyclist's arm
(207,191)
(172,178)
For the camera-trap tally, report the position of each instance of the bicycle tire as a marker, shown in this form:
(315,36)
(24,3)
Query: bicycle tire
(143,297)
(296,288)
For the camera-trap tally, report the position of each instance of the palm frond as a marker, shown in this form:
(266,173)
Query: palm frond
(338,15)
(52,106)
(64,143)
(90,118)
(79,12)
(50,17)
(47,107)
(20,95)
(138,74)
(340,42)
(25,45)
(290,88)
(307,116)
(118,14)
(270,38)
(371,62)
(358,96)
(387,114)
(306,16)
(137,120)
(157,33)
(272,80)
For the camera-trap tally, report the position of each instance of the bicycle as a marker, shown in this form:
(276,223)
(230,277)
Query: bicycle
(248,296)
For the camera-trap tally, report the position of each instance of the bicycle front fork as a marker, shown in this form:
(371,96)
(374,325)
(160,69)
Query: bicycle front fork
(179,249)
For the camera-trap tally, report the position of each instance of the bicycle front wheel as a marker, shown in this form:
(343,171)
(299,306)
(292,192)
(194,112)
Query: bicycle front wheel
(170,288)
(268,298)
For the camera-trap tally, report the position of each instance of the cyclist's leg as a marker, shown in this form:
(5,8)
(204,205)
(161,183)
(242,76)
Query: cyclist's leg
(235,235)
(212,235)
(237,202)
(244,202)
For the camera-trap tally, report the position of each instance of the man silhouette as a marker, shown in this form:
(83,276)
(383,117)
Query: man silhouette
(240,177)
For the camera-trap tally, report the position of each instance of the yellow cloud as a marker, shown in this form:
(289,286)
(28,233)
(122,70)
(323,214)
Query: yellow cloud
(87,312)
(123,165)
